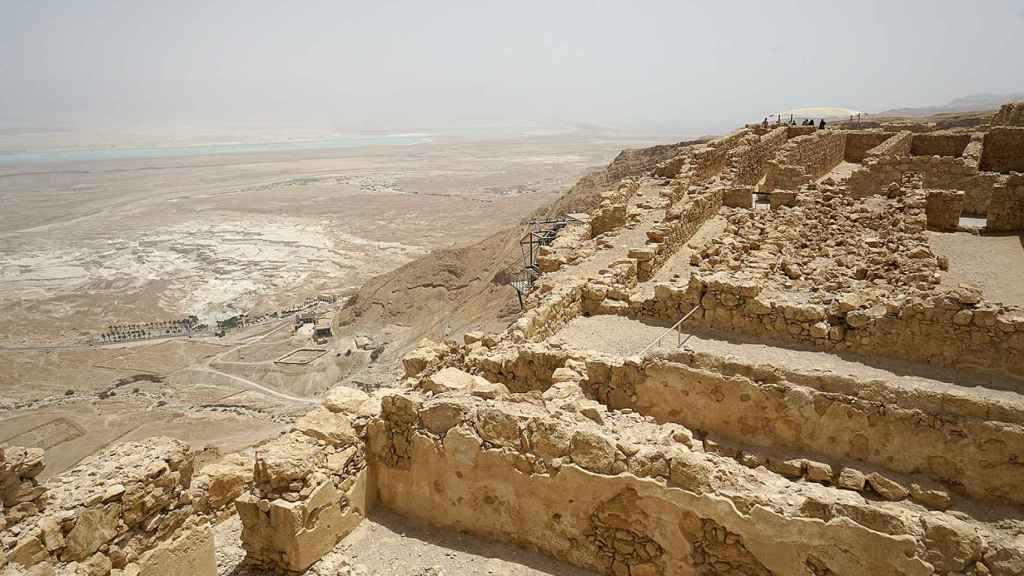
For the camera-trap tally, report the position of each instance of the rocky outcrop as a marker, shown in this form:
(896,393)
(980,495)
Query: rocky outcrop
(122,510)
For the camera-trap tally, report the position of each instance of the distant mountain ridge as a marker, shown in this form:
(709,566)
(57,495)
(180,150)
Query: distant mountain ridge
(972,103)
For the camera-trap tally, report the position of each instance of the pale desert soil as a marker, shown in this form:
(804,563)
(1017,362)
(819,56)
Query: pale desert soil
(388,545)
(993,263)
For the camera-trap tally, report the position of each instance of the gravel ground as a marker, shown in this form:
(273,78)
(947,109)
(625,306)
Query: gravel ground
(993,263)
(388,545)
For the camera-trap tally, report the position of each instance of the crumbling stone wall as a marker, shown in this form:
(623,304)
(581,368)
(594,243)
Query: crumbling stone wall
(1006,207)
(749,161)
(611,214)
(309,488)
(681,222)
(124,509)
(619,494)
(805,158)
(738,197)
(858,142)
(899,144)
(1011,114)
(948,329)
(709,160)
(940,144)
(940,173)
(1003,150)
(931,436)
(943,209)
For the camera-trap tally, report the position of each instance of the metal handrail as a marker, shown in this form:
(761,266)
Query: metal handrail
(675,327)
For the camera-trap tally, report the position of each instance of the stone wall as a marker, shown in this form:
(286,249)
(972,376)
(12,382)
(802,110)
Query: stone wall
(931,436)
(681,222)
(738,197)
(1009,115)
(1003,150)
(940,144)
(611,214)
(124,509)
(805,158)
(951,329)
(749,162)
(709,160)
(899,144)
(940,173)
(858,142)
(943,209)
(1006,208)
(621,495)
(309,487)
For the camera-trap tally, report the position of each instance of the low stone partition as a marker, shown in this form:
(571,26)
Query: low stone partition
(709,160)
(899,144)
(549,307)
(805,158)
(966,443)
(1003,150)
(939,173)
(858,142)
(943,209)
(611,214)
(127,508)
(749,162)
(681,222)
(1006,206)
(619,494)
(940,144)
(955,329)
(738,197)
(309,487)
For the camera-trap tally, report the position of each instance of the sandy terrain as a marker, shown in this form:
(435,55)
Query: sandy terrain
(992,263)
(88,244)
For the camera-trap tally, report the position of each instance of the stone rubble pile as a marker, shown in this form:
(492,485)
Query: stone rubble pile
(831,244)
(21,495)
(121,512)
(309,486)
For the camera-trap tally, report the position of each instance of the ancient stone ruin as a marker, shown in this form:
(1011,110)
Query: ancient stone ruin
(744,361)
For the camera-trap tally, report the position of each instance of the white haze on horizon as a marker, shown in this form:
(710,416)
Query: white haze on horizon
(321,67)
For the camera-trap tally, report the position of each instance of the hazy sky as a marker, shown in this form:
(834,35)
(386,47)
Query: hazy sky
(398,64)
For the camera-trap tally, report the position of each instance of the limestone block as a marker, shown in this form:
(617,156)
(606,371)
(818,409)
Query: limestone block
(191,552)
(451,380)
(294,535)
(936,499)
(818,471)
(887,488)
(851,479)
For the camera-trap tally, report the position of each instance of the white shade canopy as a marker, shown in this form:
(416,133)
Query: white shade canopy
(818,112)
